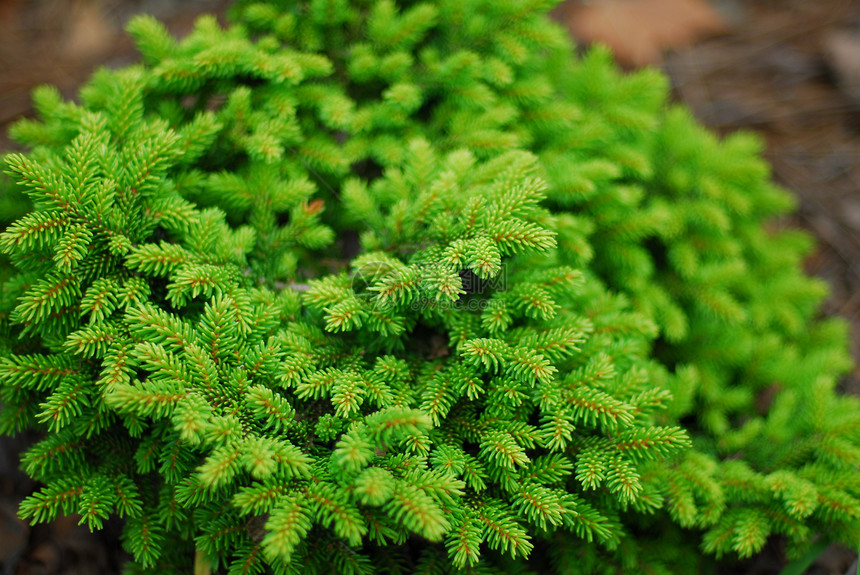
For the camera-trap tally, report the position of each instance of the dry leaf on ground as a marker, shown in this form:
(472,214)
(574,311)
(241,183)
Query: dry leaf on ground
(639,30)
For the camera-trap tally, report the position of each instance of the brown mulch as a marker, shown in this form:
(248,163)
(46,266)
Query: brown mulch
(789,69)
(61,42)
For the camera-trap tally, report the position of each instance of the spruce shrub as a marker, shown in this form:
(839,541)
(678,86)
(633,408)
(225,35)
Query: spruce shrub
(365,286)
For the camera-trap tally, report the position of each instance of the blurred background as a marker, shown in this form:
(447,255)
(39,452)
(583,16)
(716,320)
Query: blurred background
(788,69)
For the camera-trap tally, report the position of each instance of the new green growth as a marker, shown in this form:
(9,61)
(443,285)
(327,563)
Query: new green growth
(405,287)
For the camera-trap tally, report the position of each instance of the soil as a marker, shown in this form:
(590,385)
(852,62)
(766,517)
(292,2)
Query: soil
(788,69)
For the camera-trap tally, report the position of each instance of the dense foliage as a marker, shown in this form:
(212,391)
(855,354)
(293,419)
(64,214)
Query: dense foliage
(402,287)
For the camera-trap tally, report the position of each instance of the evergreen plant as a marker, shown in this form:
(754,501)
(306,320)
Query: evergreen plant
(365,286)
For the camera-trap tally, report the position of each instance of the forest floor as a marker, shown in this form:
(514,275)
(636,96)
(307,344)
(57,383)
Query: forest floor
(788,69)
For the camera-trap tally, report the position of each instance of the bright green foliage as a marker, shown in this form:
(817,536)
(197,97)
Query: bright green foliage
(364,286)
